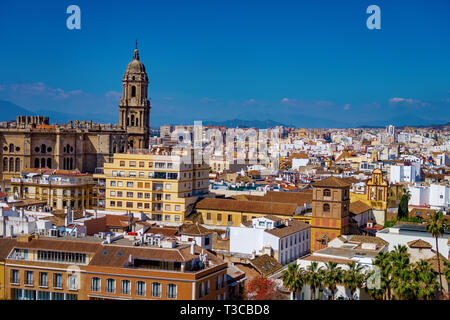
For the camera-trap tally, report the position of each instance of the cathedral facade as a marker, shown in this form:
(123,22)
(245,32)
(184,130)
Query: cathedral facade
(32,142)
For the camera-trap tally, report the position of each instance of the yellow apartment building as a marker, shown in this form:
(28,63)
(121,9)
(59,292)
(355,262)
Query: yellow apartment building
(162,183)
(59,188)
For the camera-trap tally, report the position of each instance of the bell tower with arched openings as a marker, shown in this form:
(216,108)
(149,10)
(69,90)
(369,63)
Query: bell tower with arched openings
(135,105)
(330,211)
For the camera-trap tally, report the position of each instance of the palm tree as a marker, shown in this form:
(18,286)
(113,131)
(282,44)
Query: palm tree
(402,276)
(293,279)
(313,278)
(354,277)
(436,226)
(332,277)
(383,261)
(426,280)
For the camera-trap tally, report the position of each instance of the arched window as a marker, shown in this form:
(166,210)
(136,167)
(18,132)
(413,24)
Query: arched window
(327,193)
(71,163)
(43,148)
(49,162)
(17,164)
(11,148)
(114,148)
(132,120)
(11,164)
(36,163)
(43,163)
(326,207)
(5,164)
(128,122)
(137,122)
(133,91)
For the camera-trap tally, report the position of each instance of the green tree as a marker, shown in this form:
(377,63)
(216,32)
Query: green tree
(403,281)
(436,226)
(403,206)
(313,278)
(293,279)
(383,261)
(354,278)
(332,277)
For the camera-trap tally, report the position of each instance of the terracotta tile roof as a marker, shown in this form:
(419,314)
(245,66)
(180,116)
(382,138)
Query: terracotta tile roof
(351,180)
(358,207)
(287,209)
(327,259)
(434,263)
(419,244)
(292,227)
(368,239)
(59,245)
(113,220)
(265,264)
(168,232)
(194,229)
(273,218)
(299,198)
(332,182)
(6,244)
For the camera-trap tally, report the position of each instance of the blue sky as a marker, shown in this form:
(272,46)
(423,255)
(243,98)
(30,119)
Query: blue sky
(296,62)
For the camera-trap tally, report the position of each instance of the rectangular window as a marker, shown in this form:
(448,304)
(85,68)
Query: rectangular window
(119,183)
(122,163)
(167,207)
(15,276)
(206,288)
(171,291)
(177,208)
(110,285)
(112,203)
(95,284)
(140,288)
(119,193)
(58,280)
(125,287)
(129,204)
(129,194)
(132,163)
(43,295)
(140,195)
(130,184)
(169,165)
(141,164)
(200,290)
(73,282)
(219,217)
(147,195)
(230,218)
(112,193)
(29,278)
(119,204)
(177,218)
(208,216)
(167,217)
(43,279)
(156,289)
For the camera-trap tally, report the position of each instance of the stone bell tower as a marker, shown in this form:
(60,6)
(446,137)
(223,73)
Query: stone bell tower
(135,105)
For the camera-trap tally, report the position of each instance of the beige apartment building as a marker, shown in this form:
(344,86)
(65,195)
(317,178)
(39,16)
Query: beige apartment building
(162,183)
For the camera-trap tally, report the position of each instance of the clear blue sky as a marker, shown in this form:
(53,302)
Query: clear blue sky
(288,61)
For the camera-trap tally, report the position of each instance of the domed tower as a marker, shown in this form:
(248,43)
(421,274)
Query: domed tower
(135,105)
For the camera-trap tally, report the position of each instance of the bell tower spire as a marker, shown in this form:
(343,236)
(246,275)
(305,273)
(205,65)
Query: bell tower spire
(135,105)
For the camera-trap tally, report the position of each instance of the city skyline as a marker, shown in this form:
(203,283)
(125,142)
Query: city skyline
(284,63)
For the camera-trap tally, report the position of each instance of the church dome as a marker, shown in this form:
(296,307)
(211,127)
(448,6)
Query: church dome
(135,66)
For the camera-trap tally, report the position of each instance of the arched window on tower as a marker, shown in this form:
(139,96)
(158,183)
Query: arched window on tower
(43,163)
(49,163)
(11,148)
(137,122)
(326,207)
(71,164)
(17,164)
(133,91)
(36,163)
(11,164)
(327,193)
(132,120)
(5,164)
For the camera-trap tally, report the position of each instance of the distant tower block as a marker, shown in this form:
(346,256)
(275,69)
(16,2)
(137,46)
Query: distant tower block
(135,105)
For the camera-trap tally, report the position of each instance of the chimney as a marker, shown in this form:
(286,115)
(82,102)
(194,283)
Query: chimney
(253,254)
(287,223)
(108,238)
(193,247)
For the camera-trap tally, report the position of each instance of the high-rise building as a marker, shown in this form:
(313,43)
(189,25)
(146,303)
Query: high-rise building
(162,183)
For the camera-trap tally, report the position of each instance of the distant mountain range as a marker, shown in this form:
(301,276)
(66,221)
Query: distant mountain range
(237,123)
(9,112)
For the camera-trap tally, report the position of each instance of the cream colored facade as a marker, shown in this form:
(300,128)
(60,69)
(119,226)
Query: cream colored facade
(59,188)
(161,184)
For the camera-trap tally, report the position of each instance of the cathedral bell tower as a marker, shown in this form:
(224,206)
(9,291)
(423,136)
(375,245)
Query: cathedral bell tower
(135,105)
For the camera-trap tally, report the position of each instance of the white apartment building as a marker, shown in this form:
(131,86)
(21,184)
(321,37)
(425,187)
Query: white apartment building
(403,173)
(436,196)
(268,235)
